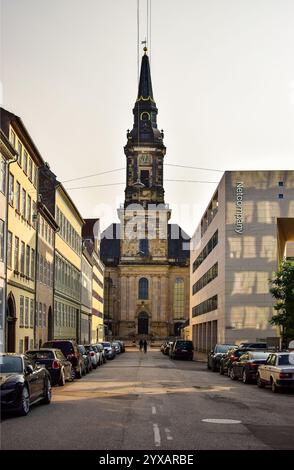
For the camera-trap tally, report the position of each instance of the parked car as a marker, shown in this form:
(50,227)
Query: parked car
(100,351)
(162,347)
(87,364)
(100,345)
(71,351)
(226,359)
(182,349)
(22,383)
(246,366)
(122,345)
(253,345)
(278,371)
(216,354)
(59,368)
(117,347)
(167,347)
(109,350)
(93,355)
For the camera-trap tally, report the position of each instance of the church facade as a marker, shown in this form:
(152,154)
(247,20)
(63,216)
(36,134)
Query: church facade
(146,258)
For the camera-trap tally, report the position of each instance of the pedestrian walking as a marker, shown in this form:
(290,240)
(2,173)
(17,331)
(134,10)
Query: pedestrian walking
(141,344)
(145,346)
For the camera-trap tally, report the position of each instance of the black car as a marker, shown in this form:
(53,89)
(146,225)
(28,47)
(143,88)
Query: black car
(58,366)
(182,349)
(87,364)
(71,351)
(227,359)
(246,366)
(22,383)
(109,350)
(253,345)
(215,355)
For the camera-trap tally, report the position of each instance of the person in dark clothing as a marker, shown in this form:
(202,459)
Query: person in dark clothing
(145,345)
(141,344)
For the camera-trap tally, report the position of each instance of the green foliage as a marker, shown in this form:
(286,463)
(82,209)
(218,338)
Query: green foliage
(282,289)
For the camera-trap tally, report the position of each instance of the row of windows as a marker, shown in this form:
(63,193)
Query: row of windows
(21,200)
(46,231)
(24,160)
(26,312)
(206,250)
(206,278)
(207,306)
(45,271)
(23,259)
(68,233)
(41,315)
(179,298)
(65,315)
(67,278)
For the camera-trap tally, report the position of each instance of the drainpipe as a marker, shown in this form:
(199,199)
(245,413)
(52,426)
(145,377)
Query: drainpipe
(36,216)
(14,160)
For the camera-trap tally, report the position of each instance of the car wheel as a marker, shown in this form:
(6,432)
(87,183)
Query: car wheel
(259,382)
(84,371)
(47,391)
(25,402)
(213,367)
(232,374)
(274,387)
(245,378)
(73,374)
(61,381)
(221,369)
(229,372)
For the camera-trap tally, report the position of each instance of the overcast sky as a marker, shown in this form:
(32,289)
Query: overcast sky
(223,80)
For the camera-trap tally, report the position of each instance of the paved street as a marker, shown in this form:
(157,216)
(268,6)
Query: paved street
(147,401)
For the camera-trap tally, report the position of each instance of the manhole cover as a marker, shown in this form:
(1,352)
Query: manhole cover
(221,421)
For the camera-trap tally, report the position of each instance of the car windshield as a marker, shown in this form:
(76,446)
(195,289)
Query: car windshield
(106,345)
(89,348)
(35,355)
(10,364)
(184,344)
(223,348)
(82,349)
(286,360)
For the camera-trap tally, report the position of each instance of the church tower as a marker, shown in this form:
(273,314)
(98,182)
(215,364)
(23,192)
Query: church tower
(145,215)
(146,258)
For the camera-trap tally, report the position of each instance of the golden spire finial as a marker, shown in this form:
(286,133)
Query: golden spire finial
(145,49)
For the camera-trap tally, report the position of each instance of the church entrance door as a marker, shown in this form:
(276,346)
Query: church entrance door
(143,323)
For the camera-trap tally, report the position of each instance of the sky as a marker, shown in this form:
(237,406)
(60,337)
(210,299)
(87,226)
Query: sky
(223,81)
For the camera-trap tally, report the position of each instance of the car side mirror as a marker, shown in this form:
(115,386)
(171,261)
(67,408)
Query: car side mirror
(29,369)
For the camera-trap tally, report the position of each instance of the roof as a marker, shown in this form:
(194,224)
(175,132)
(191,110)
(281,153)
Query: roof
(6,119)
(74,207)
(145,84)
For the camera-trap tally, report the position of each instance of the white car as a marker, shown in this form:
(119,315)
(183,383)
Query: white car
(278,371)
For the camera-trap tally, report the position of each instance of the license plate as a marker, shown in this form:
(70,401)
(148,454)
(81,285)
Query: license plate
(184,350)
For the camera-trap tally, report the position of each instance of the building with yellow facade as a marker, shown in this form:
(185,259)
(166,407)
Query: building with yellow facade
(91,231)
(68,256)
(21,234)
(7,156)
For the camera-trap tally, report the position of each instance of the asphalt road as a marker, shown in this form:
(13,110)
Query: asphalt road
(149,402)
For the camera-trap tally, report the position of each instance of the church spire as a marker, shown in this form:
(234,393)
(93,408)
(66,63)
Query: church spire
(145,84)
(145,130)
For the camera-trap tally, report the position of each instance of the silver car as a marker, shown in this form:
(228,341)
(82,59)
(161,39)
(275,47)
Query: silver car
(278,371)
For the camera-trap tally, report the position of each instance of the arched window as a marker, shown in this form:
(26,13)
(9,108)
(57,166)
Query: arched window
(143,247)
(179,298)
(143,288)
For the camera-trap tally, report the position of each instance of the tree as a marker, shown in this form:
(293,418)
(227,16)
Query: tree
(282,289)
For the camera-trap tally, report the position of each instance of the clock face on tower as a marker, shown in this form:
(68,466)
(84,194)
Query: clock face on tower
(144,159)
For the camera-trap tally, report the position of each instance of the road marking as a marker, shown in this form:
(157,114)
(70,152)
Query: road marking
(168,434)
(153,410)
(157,438)
(221,421)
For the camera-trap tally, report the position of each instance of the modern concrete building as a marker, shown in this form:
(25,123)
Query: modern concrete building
(239,243)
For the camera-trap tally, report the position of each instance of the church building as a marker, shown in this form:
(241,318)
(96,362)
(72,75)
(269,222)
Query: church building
(146,258)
